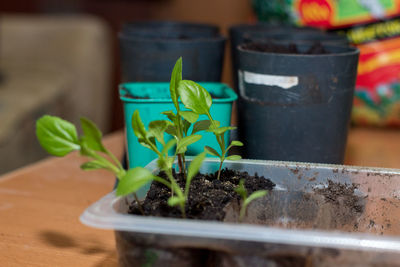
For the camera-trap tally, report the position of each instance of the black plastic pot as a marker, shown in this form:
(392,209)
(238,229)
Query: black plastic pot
(303,37)
(296,107)
(149,51)
(170,29)
(237,33)
(241,33)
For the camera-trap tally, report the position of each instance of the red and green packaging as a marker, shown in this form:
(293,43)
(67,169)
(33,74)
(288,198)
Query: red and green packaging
(374,27)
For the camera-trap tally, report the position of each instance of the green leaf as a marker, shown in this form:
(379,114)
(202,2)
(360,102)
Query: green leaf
(170,114)
(138,126)
(162,163)
(170,161)
(174,201)
(93,165)
(152,140)
(255,195)
(143,142)
(236,143)
(212,151)
(176,77)
(194,166)
(85,149)
(133,180)
(222,130)
(186,126)
(214,125)
(201,126)
(241,190)
(190,116)
(168,146)
(171,130)
(146,143)
(57,136)
(92,135)
(157,129)
(185,142)
(194,97)
(234,157)
(165,163)
(150,258)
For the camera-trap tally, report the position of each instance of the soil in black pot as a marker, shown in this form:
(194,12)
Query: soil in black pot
(207,198)
(315,49)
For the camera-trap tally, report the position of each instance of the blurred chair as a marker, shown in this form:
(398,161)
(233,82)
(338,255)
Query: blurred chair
(58,65)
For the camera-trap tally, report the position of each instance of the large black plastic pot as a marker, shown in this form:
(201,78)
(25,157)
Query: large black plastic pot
(170,29)
(296,107)
(304,37)
(149,50)
(242,33)
(237,33)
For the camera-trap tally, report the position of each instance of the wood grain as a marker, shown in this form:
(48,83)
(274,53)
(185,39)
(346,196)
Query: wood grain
(40,207)
(373,147)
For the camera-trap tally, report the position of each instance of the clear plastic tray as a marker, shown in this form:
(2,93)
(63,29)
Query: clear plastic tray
(375,241)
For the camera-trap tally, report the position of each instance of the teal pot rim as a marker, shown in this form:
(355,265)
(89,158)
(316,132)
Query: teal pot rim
(229,94)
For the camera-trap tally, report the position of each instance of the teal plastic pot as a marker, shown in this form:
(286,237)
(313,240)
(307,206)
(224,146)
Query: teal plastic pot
(153,98)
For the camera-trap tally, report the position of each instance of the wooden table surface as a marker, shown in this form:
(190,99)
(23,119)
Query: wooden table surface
(40,204)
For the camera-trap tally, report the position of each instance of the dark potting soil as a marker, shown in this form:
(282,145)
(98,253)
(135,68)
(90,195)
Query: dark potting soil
(341,194)
(207,197)
(332,206)
(315,49)
(329,206)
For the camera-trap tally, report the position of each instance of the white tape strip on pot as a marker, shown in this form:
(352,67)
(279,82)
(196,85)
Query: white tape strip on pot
(284,82)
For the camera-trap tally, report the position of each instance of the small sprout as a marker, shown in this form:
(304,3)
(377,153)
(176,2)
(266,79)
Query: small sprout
(181,120)
(59,137)
(197,99)
(165,163)
(133,180)
(241,190)
(150,258)
(194,168)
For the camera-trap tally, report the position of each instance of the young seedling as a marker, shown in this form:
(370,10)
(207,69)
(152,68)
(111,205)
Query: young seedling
(59,137)
(197,99)
(177,129)
(181,120)
(164,162)
(241,190)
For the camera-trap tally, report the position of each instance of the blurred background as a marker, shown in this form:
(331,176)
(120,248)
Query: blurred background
(62,57)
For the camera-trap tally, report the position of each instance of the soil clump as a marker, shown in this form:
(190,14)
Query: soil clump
(208,196)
